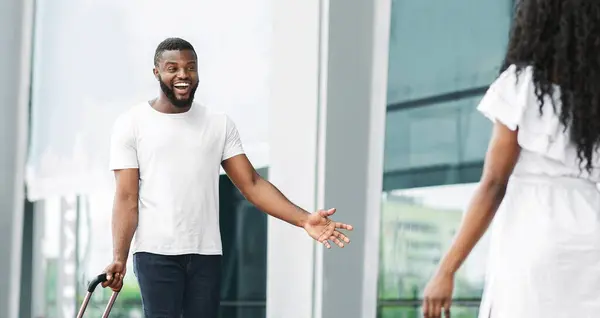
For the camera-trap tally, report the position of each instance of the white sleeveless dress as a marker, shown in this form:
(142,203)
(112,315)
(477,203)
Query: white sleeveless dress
(544,257)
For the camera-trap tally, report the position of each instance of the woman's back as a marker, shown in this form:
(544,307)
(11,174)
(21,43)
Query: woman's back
(547,147)
(546,233)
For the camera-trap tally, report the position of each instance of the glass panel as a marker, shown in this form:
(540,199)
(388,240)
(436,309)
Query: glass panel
(440,135)
(417,227)
(244,237)
(412,312)
(444,46)
(442,57)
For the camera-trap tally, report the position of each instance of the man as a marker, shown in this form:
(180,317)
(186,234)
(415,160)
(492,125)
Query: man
(166,155)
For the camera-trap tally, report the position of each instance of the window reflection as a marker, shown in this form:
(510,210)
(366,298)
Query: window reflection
(447,133)
(417,227)
(438,47)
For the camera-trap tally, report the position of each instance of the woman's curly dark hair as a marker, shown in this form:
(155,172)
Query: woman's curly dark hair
(560,39)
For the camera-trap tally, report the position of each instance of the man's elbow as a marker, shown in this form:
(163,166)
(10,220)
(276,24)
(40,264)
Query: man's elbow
(250,188)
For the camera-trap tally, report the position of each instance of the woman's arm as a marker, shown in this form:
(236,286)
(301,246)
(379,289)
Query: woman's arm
(503,152)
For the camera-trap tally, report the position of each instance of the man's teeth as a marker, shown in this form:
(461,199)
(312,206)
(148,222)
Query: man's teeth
(182,85)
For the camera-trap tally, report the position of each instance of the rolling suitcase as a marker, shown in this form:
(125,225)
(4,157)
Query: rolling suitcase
(91,287)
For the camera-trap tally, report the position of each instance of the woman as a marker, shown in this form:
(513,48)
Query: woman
(540,173)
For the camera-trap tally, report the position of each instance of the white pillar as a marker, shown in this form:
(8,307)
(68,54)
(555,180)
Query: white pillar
(15,26)
(327,116)
(293,125)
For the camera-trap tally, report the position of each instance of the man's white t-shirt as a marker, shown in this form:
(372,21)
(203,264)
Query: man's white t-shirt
(179,158)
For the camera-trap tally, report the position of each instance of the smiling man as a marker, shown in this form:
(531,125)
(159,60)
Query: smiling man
(166,155)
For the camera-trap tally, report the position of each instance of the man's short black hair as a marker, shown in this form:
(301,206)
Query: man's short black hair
(172,44)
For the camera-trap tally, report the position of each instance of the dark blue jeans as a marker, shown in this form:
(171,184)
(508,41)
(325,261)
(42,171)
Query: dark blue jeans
(180,285)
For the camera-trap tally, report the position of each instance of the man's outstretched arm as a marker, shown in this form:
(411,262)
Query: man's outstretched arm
(269,199)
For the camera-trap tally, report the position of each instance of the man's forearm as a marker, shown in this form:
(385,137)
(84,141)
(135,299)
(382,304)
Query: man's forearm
(269,199)
(124,224)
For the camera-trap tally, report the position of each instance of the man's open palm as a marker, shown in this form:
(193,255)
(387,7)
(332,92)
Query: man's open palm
(323,229)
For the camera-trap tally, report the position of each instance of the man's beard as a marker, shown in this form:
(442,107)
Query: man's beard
(170,93)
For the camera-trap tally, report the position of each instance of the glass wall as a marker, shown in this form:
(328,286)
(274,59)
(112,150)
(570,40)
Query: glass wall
(244,235)
(92,60)
(443,55)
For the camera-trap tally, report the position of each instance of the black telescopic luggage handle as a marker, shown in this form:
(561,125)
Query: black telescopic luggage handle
(91,287)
